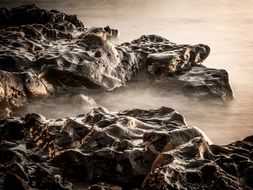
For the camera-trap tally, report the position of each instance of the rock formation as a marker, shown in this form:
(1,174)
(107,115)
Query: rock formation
(58,52)
(152,149)
(46,53)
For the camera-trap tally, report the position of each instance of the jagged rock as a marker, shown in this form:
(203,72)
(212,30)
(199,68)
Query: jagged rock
(98,146)
(17,88)
(58,50)
(30,14)
(105,32)
(199,82)
(154,149)
(195,165)
(177,68)
(162,56)
(47,52)
(63,54)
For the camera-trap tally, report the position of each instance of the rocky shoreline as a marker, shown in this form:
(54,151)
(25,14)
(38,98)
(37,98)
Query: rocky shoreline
(49,53)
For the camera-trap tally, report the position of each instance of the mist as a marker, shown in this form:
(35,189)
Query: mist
(226,26)
(211,117)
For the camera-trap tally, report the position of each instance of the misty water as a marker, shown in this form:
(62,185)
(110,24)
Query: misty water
(224,25)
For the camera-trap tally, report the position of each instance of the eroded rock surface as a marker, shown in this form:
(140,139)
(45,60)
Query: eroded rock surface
(17,88)
(45,53)
(163,56)
(61,53)
(58,50)
(152,149)
(198,82)
(195,165)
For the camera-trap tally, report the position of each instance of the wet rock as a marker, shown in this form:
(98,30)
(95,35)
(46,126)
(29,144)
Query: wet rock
(50,51)
(178,68)
(18,88)
(98,146)
(189,170)
(13,181)
(200,83)
(165,141)
(57,50)
(149,149)
(178,60)
(30,14)
(103,186)
(162,54)
(105,32)
(44,53)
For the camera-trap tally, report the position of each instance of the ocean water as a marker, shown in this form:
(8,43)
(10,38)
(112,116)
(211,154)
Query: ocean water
(224,25)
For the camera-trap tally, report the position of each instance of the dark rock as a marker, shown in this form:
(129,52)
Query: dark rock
(152,148)
(110,146)
(45,53)
(16,89)
(13,181)
(12,130)
(104,186)
(105,32)
(30,14)
(199,82)
(18,170)
(248,139)
(191,171)
(59,53)
(177,60)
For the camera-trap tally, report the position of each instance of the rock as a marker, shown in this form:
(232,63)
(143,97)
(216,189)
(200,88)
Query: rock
(103,186)
(158,142)
(106,32)
(154,149)
(45,53)
(56,52)
(162,54)
(200,83)
(97,65)
(183,168)
(177,68)
(13,181)
(59,53)
(18,88)
(30,14)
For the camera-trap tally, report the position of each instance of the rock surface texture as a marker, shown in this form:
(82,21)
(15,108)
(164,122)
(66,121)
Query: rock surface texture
(148,149)
(43,52)
(46,53)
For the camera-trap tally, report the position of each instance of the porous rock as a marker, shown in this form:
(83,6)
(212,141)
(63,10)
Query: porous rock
(43,52)
(200,83)
(63,54)
(148,149)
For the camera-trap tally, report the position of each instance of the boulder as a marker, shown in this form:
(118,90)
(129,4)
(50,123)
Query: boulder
(149,149)
(63,54)
(200,83)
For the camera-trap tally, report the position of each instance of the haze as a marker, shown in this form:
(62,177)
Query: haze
(224,25)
